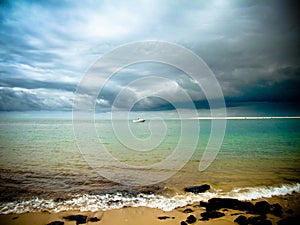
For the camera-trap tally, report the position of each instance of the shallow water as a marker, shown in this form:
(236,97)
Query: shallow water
(39,158)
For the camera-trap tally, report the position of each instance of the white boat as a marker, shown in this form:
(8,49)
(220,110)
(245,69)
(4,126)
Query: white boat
(138,120)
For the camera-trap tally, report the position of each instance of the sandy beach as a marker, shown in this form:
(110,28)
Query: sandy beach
(149,216)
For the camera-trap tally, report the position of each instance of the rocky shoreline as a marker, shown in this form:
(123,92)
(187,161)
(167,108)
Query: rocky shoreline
(255,214)
(215,211)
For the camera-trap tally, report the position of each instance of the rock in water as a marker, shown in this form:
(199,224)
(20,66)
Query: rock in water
(241,220)
(229,203)
(211,214)
(56,223)
(262,207)
(191,219)
(80,219)
(94,219)
(197,189)
(276,210)
(163,217)
(188,210)
(58,200)
(289,221)
(289,211)
(259,220)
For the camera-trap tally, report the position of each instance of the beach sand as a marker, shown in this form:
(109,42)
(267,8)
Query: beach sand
(150,216)
(124,216)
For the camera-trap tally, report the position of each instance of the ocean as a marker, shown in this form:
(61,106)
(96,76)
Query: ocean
(43,168)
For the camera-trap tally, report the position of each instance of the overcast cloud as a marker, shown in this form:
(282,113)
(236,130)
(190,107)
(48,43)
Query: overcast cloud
(46,47)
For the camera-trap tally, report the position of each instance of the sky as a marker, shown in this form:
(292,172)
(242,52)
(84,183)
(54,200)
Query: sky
(252,48)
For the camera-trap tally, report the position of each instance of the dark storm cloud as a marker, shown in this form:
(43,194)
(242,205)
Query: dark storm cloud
(284,87)
(47,46)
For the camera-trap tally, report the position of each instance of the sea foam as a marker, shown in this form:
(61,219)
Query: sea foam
(86,202)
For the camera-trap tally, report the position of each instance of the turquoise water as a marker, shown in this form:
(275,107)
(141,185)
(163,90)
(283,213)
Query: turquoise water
(40,158)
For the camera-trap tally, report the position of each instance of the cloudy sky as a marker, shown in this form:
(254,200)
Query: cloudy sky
(252,47)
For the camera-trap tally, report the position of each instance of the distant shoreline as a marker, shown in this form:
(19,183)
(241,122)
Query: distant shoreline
(246,118)
(147,119)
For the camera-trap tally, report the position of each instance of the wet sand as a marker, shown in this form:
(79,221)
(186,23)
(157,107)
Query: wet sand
(150,216)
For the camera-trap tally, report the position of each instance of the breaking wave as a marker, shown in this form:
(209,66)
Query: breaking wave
(86,202)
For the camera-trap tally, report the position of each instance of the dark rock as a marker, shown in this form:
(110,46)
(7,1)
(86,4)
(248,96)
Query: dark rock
(56,223)
(262,207)
(94,219)
(183,223)
(276,210)
(188,210)
(163,217)
(289,221)
(80,219)
(263,222)
(211,214)
(191,219)
(259,220)
(113,202)
(289,211)
(14,218)
(197,189)
(204,219)
(203,204)
(254,219)
(58,200)
(229,203)
(241,220)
